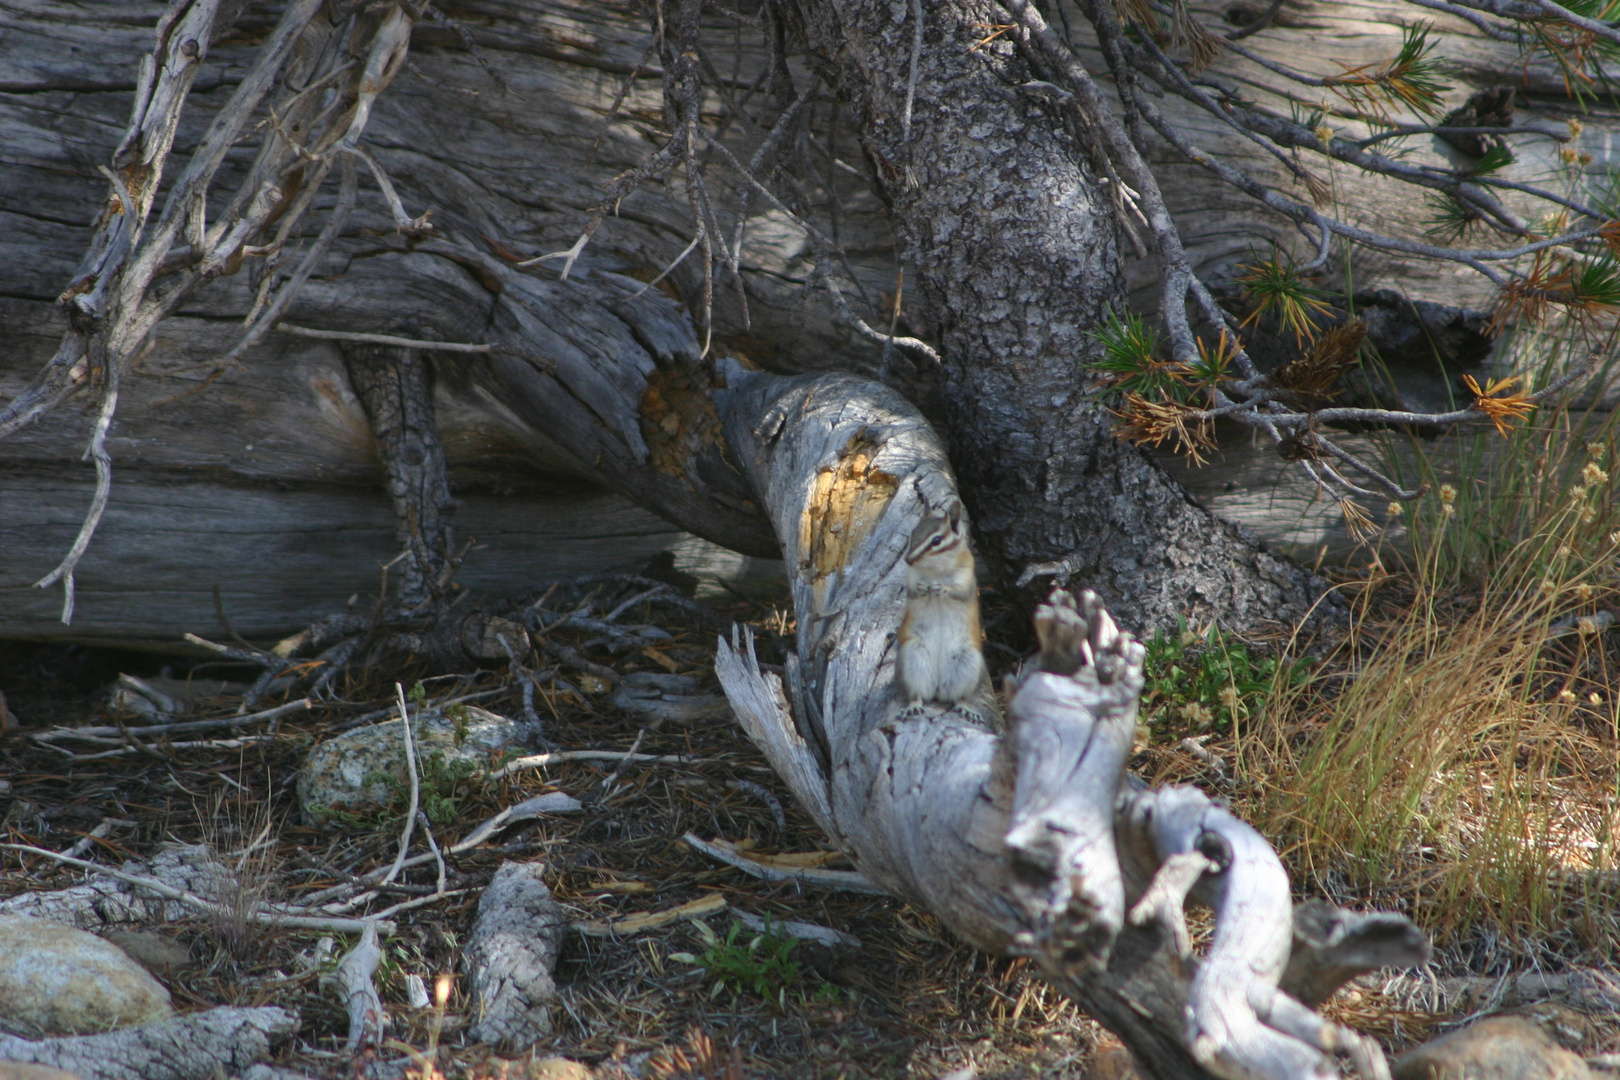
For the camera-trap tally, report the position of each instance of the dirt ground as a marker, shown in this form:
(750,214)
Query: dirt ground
(699,998)
(910,1001)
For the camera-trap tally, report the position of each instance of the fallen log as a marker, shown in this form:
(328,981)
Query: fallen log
(1018,842)
(216,1042)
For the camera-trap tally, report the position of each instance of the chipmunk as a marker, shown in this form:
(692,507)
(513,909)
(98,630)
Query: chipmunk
(940,656)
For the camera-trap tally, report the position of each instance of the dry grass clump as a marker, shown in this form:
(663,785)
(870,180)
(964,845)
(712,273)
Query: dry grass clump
(1458,756)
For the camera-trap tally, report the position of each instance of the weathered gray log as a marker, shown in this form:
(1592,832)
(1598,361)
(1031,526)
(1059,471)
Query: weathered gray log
(1010,841)
(193,1047)
(505,172)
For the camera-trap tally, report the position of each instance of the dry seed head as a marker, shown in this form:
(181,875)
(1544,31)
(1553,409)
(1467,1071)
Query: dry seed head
(1565,551)
(1394,509)
(1593,474)
(441,989)
(1575,127)
(1569,154)
(1356,519)
(1447,511)
(1595,450)
(1448,494)
(1566,696)
(1577,493)
(1323,133)
(1595,698)
(1197,714)
(1583,591)
(1588,515)
(1230,697)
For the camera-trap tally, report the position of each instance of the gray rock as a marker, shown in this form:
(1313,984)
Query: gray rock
(335,774)
(1495,1048)
(56,980)
(160,955)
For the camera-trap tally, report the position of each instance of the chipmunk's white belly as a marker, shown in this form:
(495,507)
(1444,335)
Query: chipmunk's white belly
(939,659)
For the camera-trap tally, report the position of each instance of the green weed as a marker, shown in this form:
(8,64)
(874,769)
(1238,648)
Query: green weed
(1208,682)
(762,966)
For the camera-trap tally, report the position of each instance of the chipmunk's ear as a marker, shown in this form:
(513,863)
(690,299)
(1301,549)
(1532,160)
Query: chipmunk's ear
(953,513)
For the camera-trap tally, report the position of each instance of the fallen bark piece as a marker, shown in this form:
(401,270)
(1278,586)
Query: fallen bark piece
(789,928)
(511,954)
(353,979)
(103,901)
(668,698)
(197,1046)
(1495,1048)
(58,980)
(839,880)
(551,802)
(652,920)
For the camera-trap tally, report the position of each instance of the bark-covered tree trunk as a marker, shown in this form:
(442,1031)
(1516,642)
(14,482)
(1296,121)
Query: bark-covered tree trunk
(1012,239)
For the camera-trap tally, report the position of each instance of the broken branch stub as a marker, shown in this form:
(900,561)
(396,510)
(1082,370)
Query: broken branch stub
(1020,843)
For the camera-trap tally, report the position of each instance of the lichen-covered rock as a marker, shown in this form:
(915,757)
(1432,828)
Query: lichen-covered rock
(1495,1048)
(347,773)
(56,980)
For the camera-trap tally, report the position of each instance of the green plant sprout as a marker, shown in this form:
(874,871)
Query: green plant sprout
(1207,682)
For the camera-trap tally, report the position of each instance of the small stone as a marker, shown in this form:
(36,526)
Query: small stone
(558,1068)
(56,980)
(160,955)
(1495,1048)
(1112,1063)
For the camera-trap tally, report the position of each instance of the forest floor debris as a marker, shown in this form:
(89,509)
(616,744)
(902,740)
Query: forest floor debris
(676,964)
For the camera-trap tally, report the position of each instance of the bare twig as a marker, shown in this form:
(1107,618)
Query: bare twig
(416,789)
(386,339)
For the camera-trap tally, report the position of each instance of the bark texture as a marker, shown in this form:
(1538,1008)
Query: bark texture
(194,1047)
(511,953)
(1012,240)
(396,387)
